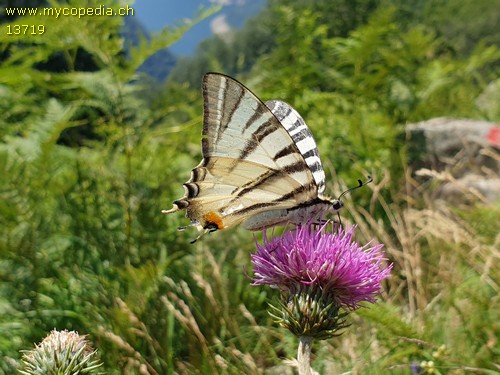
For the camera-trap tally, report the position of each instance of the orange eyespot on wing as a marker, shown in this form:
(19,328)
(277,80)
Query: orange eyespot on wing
(215,219)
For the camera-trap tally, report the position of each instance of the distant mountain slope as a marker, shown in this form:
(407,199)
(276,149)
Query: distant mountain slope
(157,66)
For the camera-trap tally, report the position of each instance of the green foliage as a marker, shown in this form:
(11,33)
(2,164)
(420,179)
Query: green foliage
(461,24)
(90,153)
(339,17)
(74,218)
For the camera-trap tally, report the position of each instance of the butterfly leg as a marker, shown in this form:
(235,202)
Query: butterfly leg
(319,223)
(340,221)
(209,228)
(198,237)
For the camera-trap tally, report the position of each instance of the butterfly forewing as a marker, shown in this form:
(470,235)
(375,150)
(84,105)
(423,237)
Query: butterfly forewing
(258,164)
(238,125)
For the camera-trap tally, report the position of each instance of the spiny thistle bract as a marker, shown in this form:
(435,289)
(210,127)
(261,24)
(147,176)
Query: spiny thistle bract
(61,353)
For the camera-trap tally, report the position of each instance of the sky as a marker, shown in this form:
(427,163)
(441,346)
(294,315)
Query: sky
(155,14)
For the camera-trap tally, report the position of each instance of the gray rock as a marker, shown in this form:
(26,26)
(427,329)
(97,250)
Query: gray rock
(442,139)
(467,150)
(472,188)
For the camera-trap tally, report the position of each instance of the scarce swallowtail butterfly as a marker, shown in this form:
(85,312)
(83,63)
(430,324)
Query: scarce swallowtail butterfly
(260,167)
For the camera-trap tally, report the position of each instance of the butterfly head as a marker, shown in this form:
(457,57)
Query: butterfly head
(326,204)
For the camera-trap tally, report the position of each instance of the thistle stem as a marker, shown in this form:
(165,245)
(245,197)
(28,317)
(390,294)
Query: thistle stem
(304,355)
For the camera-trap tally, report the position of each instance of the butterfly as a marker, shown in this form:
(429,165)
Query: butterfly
(260,167)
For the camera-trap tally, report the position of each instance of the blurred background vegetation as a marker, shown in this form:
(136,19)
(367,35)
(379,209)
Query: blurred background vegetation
(91,150)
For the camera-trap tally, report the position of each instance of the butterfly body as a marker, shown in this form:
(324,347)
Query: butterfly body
(295,215)
(260,166)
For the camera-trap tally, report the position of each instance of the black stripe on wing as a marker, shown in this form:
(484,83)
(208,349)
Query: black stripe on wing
(269,177)
(276,202)
(263,131)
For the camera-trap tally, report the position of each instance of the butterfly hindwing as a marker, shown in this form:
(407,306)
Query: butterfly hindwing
(302,137)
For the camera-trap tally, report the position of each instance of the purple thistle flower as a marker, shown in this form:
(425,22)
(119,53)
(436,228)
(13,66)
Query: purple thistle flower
(319,273)
(344,270)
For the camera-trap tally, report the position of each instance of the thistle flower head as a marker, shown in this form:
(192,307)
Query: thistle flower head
(319,274)
(61,352)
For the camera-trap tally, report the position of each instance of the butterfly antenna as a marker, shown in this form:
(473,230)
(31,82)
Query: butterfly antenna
(361,184)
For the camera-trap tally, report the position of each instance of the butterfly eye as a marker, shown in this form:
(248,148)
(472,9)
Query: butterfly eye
(337,205)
